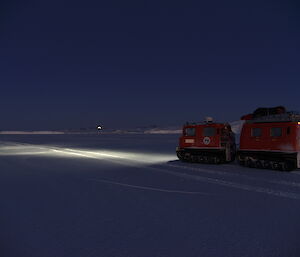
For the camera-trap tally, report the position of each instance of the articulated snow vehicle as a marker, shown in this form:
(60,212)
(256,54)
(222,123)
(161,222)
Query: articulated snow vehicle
(207,142)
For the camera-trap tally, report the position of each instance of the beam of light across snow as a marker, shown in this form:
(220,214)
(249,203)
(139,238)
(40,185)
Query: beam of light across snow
(55,151)
(148,158)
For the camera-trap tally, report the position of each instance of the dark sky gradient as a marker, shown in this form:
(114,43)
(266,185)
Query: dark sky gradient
(70,64)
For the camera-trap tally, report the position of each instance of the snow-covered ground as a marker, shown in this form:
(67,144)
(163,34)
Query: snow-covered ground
(236,128)
(129,196)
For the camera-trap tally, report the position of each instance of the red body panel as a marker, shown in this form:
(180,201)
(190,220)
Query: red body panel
(288,141)
(199,140)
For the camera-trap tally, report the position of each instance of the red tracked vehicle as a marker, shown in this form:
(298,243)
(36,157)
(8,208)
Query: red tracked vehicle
(270,138)
(206,142)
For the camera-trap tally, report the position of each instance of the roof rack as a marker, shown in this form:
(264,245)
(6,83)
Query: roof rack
(284,117)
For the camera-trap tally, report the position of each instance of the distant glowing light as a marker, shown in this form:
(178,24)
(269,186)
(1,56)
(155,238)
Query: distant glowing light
(99,127)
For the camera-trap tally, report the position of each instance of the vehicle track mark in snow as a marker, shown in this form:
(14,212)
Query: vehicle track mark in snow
(248,177)
(149,188)
(232,184)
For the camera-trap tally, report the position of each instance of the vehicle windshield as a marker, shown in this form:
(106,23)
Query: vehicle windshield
(190,132)
(209,132)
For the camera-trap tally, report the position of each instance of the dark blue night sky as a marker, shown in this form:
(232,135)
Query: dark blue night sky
(70,64)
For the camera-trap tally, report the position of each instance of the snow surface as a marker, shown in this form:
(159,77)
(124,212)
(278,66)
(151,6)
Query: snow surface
(129,196)
(16,132)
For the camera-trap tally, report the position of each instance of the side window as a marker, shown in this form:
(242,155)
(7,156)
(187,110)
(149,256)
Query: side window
(256,132)
(209,132)
(190,132)
(276,132)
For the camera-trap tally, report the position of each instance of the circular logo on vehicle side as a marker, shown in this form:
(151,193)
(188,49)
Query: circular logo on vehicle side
(206,140)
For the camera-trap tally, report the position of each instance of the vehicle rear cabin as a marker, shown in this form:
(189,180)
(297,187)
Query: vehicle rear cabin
(270,139)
